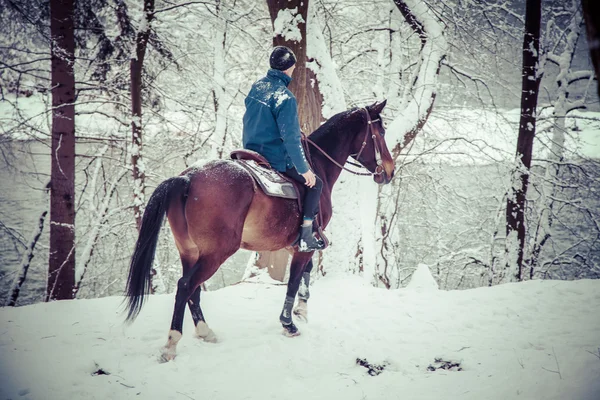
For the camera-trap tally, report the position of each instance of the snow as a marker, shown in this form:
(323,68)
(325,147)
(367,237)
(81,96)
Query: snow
(342,254)
(323,66)
(286,24)
(532,340)
(281,97)
(422,279)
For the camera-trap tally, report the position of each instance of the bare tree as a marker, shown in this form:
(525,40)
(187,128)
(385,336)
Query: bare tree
(26,259)
(418,101)
(515,205)
(99,214)
(560,44)
(136,66)
(218,90)
(422,91)
(61,268)
(591,12)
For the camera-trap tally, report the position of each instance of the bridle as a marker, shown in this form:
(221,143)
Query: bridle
(378,170)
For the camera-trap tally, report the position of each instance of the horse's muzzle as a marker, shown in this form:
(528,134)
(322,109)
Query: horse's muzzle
(382,177)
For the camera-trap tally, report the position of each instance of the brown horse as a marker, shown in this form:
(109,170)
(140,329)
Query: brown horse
(214,210)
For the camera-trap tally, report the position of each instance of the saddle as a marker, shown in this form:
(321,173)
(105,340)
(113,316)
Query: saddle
(272,182)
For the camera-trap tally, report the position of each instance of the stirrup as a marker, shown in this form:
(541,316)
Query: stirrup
(307,241)
(304,247)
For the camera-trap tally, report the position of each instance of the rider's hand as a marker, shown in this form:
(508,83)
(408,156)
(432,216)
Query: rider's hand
(310,178)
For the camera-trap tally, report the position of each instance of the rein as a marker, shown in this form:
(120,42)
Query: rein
(378,170)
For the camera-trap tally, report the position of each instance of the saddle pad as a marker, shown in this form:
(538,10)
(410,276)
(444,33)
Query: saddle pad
(271,182)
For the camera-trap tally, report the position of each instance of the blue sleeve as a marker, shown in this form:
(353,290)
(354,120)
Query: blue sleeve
(286,114)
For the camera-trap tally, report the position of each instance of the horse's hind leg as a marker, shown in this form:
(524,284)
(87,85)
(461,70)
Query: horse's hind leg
(185,289)
(301,309)
(188,289)
(202,329)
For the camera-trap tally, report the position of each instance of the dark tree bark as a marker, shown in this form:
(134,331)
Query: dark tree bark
(305,87)
(304,84)
(530,83)
(61,268)
(591,13)
(136,69)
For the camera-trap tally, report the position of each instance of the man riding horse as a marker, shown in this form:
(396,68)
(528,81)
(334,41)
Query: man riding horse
(271,128)
(215,208)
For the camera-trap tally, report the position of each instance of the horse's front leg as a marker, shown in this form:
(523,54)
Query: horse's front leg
(299,263)
(301,309)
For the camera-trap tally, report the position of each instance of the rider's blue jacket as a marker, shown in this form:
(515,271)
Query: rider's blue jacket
(271,125)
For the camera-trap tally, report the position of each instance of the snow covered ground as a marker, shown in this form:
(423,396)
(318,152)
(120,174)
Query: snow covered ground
(532,340)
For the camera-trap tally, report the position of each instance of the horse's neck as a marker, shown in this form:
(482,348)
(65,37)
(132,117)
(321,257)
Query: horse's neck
(337,148)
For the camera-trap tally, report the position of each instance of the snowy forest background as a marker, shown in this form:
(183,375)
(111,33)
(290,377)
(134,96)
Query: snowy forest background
(450,71)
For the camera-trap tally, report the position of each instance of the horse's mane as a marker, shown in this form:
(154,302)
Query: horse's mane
(332,124)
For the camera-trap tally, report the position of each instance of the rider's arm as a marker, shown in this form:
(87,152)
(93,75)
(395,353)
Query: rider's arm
(286,114)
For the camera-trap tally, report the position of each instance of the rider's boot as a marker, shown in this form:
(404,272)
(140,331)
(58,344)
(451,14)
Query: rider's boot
(308,242)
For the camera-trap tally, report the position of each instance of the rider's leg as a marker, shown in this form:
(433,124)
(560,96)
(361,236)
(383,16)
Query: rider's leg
(311,207)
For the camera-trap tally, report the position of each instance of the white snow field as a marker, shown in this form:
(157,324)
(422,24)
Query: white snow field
(532,340)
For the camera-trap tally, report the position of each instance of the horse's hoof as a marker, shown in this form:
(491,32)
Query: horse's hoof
(300,312)
(210,337)
(290,330)
(301,315)
(205,333)
(166,355)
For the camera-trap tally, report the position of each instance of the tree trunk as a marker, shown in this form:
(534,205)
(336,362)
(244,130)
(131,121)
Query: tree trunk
(135,71)
(220,106)
(409,122)
(289,27)
(550,187)
(333,101)
(515,207)
(416,107)
(289,24)
(136,67)
(61,268)
(591,13)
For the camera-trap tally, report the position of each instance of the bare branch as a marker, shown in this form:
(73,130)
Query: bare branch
(186,4)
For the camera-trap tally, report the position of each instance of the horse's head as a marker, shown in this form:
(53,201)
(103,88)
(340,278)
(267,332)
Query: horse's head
(369,147)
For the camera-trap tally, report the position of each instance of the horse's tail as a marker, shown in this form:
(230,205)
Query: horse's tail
(138,281)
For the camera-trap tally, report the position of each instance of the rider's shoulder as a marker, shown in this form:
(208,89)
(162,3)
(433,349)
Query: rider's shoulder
(282,95)
(262,85)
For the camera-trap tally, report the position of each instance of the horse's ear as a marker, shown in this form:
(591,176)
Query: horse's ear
(376,108)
